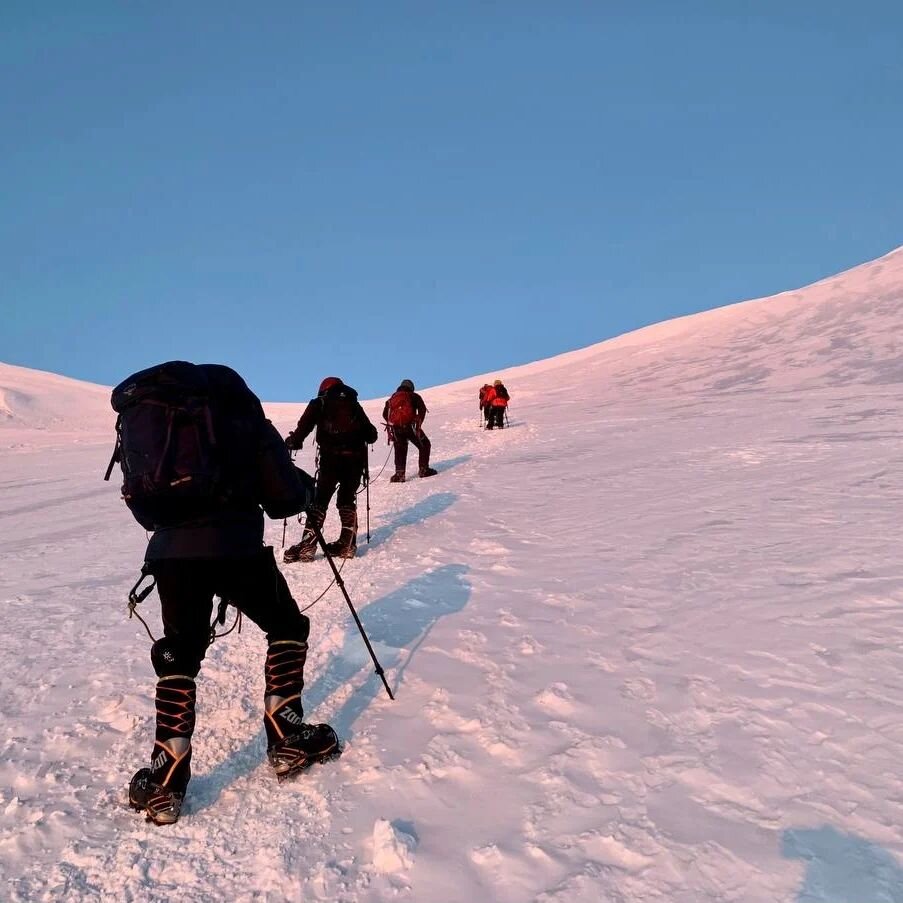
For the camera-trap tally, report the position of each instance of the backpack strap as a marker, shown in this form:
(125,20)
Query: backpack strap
(116,457)
(164,457)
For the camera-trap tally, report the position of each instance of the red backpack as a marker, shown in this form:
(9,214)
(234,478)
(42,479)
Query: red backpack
(401,409)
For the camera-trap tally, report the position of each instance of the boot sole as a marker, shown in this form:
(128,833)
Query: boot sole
(159,819)
(297,767)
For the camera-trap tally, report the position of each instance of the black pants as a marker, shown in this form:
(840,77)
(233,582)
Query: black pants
(339,471)
(254,585)
(402,435)
(496,417)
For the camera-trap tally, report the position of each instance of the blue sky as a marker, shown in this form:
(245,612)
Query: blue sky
(426,190)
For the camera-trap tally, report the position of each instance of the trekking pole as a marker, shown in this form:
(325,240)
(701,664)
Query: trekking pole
(367,485)
(341,585)
(507,421)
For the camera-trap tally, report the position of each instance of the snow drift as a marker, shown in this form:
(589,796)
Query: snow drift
(646,642)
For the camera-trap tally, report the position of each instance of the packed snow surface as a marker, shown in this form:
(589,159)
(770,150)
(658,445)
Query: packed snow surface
(647,643)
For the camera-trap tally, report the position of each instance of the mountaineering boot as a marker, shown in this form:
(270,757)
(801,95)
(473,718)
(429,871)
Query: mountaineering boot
(346,545)
(158,791)
(302,551)
(306,550)
(428,472)
(162,805)
(396,478)
(291,744)
(311,743)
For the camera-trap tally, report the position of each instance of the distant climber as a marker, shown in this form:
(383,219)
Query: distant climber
(404,413)
(343,433)
(496,401)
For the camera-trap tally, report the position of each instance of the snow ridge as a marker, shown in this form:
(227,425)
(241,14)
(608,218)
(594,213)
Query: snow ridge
(33,403)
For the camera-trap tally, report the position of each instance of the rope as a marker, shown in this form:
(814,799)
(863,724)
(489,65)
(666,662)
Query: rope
(138,595)
(136,598)
(363,488)
(372,480)
(133,612)
(236,623)
(325,591)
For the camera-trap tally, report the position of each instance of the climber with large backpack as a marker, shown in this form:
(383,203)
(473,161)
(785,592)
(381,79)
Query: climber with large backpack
(199,462)
(343,433)
(403,414)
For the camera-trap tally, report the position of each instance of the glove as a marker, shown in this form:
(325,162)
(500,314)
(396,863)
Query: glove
(292,444)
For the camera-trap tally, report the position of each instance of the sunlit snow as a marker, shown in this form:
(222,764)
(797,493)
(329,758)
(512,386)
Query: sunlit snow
(647,643)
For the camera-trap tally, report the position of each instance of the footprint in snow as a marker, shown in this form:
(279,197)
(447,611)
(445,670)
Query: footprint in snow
(556,699)
(487,548)
(506,619)
(638,688)
(504,753)
(488,855)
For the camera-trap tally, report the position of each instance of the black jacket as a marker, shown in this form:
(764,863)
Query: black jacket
(351,436)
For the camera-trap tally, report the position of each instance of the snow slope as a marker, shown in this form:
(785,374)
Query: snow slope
(39,408)
(646,643)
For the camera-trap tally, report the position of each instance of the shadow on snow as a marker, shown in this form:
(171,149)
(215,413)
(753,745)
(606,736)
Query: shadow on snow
(416,514)
(397,625)
(449,463)
(842,868)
